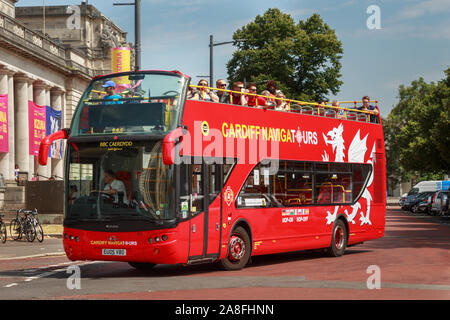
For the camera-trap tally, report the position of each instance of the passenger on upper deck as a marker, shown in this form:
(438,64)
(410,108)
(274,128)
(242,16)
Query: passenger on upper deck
(339,112)
(224,97)
(367,107)
(252,100)
(192,94)
(281,104)
(238,98)
(205,93)
(110,87)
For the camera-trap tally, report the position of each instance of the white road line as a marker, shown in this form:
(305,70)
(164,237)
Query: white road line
(10,285)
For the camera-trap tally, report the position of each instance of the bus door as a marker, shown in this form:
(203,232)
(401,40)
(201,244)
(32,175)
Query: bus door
(205,207)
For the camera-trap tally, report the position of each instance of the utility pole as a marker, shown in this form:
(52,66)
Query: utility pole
(137,31)
(211,53)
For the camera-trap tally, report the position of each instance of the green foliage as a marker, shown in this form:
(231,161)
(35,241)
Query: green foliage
(417,130)
(303,58)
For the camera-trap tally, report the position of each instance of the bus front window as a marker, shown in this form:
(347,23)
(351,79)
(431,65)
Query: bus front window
(110,179)
(134,103)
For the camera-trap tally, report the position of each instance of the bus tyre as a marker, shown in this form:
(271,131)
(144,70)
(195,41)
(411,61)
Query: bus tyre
(142,265)
(239,250)
(338,239)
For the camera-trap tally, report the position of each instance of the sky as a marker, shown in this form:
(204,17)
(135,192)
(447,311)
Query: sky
(409,39)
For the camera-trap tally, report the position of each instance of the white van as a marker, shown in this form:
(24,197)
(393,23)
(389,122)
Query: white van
(434,186)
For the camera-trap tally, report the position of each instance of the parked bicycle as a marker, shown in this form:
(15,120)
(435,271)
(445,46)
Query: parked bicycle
(2,229)
(26,223)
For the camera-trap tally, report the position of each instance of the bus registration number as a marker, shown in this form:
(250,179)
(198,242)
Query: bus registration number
(114,252)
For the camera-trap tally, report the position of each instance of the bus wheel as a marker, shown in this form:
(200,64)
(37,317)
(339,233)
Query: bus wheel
(338,239)
(239,249)
(142,265)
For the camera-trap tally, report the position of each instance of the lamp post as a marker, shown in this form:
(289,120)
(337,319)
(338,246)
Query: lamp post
(137,30)
(211,54)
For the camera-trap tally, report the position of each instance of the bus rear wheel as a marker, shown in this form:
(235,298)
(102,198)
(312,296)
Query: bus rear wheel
(142,265)
(239,250)
(338,239)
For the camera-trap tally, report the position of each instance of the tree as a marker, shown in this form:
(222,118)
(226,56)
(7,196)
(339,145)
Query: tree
(303,58)
(416,130)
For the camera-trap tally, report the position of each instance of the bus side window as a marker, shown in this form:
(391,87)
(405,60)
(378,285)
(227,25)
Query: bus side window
(255,192)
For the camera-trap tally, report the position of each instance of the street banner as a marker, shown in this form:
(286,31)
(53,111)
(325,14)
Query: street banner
(4,141)
(121,62)
(53,124)
(36,127)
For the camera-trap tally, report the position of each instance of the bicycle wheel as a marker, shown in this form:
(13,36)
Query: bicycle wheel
(15,229)
(3,232)
(30,231)
(39,231)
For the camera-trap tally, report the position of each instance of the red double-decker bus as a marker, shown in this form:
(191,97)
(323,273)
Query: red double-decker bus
(154,178)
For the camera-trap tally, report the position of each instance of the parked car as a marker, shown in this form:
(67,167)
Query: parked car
(440,202)
(423,186)
(402,199)
(424,206)
(412,201)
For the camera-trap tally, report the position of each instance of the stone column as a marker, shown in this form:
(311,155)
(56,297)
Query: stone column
(56,102)
(21,97)
(40,90)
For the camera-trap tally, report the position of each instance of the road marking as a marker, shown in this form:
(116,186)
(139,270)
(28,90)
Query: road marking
(10,285)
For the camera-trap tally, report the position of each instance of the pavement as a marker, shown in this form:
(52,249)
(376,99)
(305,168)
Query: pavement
(22,249)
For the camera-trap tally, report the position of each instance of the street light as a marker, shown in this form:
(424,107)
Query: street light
(211,61)
(137,30)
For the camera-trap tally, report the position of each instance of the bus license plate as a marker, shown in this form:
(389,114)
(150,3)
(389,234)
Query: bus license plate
(114,252)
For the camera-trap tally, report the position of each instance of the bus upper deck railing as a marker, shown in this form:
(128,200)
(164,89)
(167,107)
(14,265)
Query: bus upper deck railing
(293,106)
(303,107)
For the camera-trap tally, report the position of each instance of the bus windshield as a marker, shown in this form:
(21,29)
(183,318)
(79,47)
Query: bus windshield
(130,103)
(119,179)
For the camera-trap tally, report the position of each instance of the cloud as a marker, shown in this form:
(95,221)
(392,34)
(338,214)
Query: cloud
(424,8)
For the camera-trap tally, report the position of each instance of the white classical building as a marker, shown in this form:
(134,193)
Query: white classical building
(50,69)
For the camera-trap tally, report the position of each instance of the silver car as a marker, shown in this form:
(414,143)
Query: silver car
(440,202)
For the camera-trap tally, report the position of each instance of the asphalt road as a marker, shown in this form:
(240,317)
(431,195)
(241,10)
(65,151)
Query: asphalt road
(411,262)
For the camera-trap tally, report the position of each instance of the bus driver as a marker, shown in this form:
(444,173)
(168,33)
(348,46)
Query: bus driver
(113,187)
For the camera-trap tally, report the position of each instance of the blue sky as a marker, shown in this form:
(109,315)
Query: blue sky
(413,42)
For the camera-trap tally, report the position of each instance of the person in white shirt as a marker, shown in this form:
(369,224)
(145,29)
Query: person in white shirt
(114,186)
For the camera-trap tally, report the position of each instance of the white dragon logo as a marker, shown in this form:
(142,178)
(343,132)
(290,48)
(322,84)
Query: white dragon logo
(356,153)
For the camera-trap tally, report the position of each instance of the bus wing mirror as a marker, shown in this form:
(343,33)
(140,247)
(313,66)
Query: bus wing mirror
(47,142)
(169,146)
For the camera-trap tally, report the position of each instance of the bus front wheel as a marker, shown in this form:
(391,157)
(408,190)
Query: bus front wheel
(338,239)
(239,250)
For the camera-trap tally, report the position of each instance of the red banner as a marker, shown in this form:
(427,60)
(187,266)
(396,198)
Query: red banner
(36,126)
(4,141)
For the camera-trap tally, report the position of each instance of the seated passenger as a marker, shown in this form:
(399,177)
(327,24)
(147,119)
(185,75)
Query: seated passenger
(193,93)
(224,97)
(253,101)
(238,98)
(110,87)
(367,107)
(271,89)
(281,104)
(340,113)
(205,93)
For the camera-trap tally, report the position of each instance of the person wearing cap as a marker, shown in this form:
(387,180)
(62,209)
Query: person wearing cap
(110,87)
